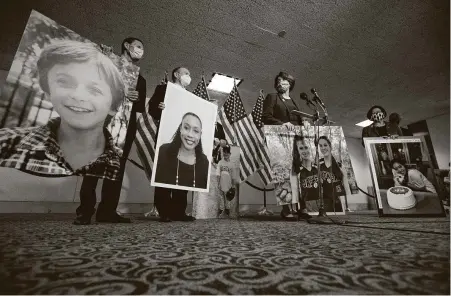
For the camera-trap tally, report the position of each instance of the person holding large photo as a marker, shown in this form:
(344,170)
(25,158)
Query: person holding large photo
(277,109)
(379,127)
(170,203)
(411,177)
(84,87)
(132,51)
(334,179)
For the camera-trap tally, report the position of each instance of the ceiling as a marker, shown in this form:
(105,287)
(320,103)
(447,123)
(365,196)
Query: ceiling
(356,53)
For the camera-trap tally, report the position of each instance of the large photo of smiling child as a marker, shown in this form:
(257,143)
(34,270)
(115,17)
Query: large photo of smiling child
(26,101)
(185,141)
(59,107)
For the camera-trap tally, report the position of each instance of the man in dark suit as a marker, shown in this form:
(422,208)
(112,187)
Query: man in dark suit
(132,51)
(170,203)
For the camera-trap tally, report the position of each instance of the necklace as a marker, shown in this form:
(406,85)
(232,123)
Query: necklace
(194,171)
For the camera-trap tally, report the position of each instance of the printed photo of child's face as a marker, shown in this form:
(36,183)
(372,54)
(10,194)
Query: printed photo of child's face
(80,94)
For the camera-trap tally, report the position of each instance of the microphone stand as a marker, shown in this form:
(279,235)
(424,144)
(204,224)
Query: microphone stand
(265,211)
(322,217)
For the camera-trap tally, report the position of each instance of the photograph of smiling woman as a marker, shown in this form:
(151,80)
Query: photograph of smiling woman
(182,162)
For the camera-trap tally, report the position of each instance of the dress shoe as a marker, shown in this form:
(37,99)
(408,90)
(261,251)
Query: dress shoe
(114,218)
(304,216)
(82,220)
(287,216)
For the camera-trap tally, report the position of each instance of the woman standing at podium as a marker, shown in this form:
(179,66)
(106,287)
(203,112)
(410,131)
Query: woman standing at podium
(277,109)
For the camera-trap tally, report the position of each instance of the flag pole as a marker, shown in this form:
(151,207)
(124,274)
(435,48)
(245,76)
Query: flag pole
(234,113)
(154,212)
(264,211)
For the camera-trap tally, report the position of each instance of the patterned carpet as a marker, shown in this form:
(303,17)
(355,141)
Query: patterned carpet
(46,254)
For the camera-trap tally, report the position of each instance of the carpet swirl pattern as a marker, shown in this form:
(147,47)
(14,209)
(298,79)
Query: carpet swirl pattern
(45,254)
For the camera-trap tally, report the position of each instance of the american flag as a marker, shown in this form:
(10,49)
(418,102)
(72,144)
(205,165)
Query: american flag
(240,130)
(146,138)
(201,90)
(256,115)
(145,141)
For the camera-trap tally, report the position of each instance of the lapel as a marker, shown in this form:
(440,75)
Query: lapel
(286,107)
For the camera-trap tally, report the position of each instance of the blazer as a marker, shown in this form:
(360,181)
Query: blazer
(275,111)
(166,170)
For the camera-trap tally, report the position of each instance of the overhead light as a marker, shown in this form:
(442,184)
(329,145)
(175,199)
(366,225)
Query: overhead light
(223,83)
(364,123)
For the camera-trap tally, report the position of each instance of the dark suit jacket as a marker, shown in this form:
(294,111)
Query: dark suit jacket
(275,111)
(155,100)
(167,167)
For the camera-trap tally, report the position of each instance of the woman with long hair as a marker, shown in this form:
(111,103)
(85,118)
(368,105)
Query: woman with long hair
(334,179)
(306,175)
(182,161)
(411,177)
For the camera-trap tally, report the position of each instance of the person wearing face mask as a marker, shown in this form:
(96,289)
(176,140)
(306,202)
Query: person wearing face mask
(132,52)
(170,203)
(277,107)
(379,127)
(180,77)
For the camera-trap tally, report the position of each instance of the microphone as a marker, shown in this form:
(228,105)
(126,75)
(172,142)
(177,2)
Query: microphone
(309,102)
(317,99)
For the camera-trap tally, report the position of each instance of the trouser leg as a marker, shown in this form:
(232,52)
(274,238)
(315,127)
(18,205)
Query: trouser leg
(87,196)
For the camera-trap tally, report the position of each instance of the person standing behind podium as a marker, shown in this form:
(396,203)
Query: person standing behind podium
(379,127)
(277,109)
(170,203)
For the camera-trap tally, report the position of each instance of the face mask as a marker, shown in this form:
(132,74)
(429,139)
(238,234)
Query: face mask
(185,80)
(136,53)
(282,88)
(377,116)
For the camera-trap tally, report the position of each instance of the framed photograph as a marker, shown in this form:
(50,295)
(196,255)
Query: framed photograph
(295,169)
(185,141)
(403,177)
(24,102)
